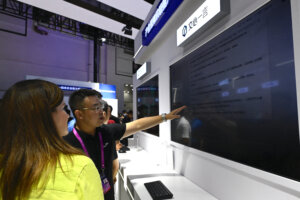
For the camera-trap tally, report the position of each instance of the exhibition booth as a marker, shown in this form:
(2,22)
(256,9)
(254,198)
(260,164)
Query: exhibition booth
(234,65)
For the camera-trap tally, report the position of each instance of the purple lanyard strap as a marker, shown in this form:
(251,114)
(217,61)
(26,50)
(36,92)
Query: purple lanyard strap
(85,150)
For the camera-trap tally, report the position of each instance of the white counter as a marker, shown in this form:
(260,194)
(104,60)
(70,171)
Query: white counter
(137,167)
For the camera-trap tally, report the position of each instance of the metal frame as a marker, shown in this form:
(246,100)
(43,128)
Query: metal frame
(17,10)
(62,24)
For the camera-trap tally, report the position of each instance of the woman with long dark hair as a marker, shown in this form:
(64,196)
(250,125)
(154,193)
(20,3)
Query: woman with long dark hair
(35,162)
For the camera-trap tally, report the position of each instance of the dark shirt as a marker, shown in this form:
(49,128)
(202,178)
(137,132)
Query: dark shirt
(110,133)
(124,121)
(117,120)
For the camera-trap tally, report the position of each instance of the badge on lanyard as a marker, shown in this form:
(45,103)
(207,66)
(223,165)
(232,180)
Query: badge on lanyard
(105,183)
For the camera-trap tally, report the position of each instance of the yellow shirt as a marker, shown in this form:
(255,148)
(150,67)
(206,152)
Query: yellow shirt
(80,181)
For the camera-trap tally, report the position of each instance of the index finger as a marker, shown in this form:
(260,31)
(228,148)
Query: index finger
(177,110)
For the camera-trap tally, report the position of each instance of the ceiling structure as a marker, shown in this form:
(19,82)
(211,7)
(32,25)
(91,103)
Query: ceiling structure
(118,21)
(109,15)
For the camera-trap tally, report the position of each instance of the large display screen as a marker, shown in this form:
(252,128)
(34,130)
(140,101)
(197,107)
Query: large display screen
(240,91)
(147,102)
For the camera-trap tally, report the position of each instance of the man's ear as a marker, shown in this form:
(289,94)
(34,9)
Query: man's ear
(78,114)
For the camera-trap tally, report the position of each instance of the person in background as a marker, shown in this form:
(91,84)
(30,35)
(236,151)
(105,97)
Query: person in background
(98,139)
(35,162)
(112,120)
(112,117)
(71,120)
(107,112)
(122,115)
(68,111)
(183,128)
(127,118)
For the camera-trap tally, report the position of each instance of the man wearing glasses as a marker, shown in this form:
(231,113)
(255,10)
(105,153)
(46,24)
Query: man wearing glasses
(96,139)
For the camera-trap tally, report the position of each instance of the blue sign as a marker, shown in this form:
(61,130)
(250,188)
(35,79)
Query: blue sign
(71,87)
(108,91)
(164,11)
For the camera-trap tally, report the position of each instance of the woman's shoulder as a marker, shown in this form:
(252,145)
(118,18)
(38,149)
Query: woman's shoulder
(72,172)
(81,158)
(75,161)
(73,167)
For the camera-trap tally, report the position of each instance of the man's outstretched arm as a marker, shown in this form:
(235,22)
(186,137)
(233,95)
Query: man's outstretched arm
(148,122)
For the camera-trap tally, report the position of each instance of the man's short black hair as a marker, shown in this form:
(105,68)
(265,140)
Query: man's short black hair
(77,98)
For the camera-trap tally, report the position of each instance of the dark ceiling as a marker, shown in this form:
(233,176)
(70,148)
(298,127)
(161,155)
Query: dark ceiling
(107,11)
(53,21)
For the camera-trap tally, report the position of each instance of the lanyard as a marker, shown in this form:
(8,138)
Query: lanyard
(85,150)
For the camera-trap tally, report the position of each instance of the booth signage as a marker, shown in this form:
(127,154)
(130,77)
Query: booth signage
(209,12)
(143,70)
(108,91)
(72,87)
(164,11)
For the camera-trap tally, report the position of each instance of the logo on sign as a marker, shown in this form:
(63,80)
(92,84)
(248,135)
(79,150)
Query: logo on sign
(156,16)
(184,30)
(164,11)
(191,25)
(209,12)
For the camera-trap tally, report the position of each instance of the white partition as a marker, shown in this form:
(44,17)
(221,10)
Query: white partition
(224,179)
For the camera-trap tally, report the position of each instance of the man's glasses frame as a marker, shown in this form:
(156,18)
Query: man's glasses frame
(95,109)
